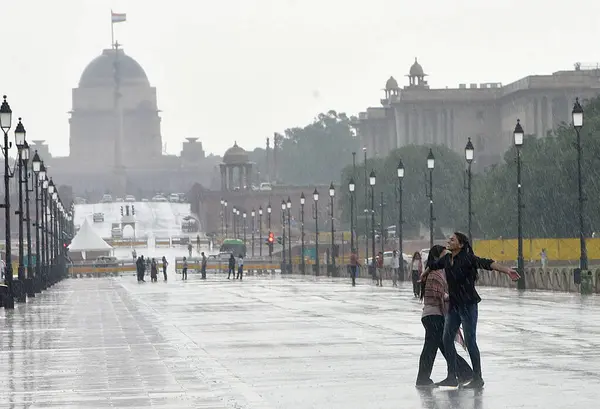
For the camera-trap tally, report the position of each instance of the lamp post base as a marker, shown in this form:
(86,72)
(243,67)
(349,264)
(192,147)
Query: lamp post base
(29,287)
(18,291)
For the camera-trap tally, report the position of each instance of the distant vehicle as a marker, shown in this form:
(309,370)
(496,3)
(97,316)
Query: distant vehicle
(159,198)
(387,259)
(98,217)
(265,186)
(182,198)
(106,199)
(145,200)
(189,225)
(130,198)
(79,201)
(104,261)
(116,233)
(174,197)
(119,199)
(233,246)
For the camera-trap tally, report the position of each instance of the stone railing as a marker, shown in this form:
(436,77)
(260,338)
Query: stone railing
(553,279)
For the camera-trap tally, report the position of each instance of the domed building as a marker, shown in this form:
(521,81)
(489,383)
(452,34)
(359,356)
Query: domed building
(115,137)
(236,169)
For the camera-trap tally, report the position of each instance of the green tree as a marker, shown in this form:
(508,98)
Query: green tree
(549,184)
(449,195)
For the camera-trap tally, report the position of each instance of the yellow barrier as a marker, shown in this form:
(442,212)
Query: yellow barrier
(556,249)
(92,269)
(247,266)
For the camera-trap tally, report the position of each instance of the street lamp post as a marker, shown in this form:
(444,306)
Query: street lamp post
(518,136)
(331,195)
(316,217)
(269,210)
(45,231)
(233,213)
(29,288)
(372,183)
(469,155)
(430,166)
(253,214)
(5,124)
(381,236)
(578,124)
(39,173)
(400,174)
(302,201)
(351,187)
(284,261)
(20,142)
(289,217)
(366,206)
(260,243)
(222,218)
(225,216)
(244,218)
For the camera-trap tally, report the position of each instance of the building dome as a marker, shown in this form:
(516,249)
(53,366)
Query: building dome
(235,156)
(391,83)
(416,70)
(101,71)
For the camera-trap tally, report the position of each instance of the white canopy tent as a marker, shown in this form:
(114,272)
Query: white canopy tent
(88,243)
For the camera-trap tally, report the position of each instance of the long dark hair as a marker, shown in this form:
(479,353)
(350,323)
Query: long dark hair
(466,247)
(434,254)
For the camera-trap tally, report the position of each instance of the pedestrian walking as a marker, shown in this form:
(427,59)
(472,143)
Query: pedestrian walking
(164,267)
(141,268)
(153,271)
(190,249)
(434,294)
(416,268)
(461,266)
(395,268)
(231,266)
(203,266)
(184,270)
(354,264)
(379,269)
(240,274)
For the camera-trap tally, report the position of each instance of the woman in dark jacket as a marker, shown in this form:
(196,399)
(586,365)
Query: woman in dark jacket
(461,265)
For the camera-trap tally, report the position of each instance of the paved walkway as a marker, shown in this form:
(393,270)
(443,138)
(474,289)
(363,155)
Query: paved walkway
(298,342)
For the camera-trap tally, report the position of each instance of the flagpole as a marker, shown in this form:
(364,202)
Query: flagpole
(112,31)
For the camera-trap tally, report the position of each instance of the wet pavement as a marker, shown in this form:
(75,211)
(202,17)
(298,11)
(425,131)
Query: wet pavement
(299,342)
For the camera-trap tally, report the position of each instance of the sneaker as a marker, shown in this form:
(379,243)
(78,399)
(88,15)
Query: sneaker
(426,383)
(465,379)
(448,382)
(476,383)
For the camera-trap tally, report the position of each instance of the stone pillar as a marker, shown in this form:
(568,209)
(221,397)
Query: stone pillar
(230,178)
(241,177)
(539,118)
(223,176)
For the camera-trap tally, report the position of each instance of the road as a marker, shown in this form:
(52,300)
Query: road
(300,342)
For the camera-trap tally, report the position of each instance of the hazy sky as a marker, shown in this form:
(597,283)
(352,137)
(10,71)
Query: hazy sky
(230,70)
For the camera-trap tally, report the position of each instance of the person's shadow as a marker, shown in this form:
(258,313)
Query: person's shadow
(435,398)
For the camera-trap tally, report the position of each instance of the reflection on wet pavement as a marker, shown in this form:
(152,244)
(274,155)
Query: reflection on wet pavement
(283,343)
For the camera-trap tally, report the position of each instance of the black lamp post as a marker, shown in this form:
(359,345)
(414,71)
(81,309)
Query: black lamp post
(269,210)
(260,231)
(351,187)
(381,236)
(289,220)
(372,183)
(400,174)
(331,196)
(45,231)
(253,214)
(366,210)
(518,136)
(430,166)
(237,223)
(5,124)
(469,155)
(222,218)
(233,217)
(284,261)
(52,231)
(29,289)
(20,142)
(39,174)
(244,219)
(302,201)
(316,217)
(577,115)
(225,217)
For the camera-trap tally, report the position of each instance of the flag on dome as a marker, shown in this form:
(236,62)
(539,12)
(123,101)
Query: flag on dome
(118,17)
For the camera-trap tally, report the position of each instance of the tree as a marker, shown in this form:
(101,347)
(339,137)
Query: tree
(448,188)
(549,180)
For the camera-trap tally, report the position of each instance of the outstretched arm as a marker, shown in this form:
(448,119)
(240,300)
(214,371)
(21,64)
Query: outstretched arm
(513,274)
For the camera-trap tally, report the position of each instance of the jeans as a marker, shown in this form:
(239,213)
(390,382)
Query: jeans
(415,281)
(434,331)
(467,315)
(353,273)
